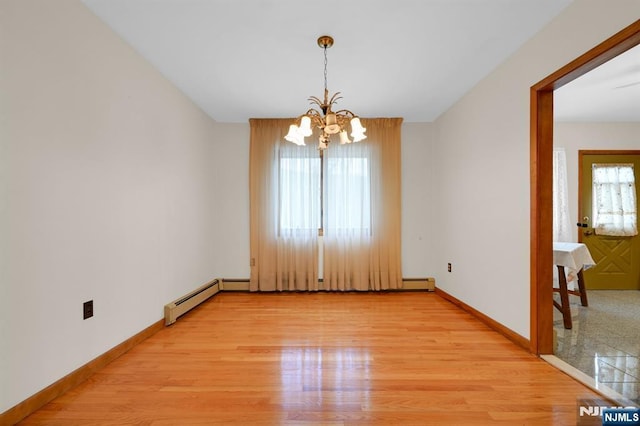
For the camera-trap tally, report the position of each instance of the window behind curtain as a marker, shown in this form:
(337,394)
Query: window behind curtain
(285,249)
(614,200)
(299,194)
(347,187)
(346,181)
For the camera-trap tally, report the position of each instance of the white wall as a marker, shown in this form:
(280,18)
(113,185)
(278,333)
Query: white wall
(418,206)
(107,192)
(580,136)
(232,204)
(482,162)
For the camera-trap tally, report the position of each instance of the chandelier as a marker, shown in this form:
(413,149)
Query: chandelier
(329,122)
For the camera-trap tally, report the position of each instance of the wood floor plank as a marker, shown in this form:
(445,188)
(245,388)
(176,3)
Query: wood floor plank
(326,358)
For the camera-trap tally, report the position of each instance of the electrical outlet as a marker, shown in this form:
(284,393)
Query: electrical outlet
(87,309)
(448,267)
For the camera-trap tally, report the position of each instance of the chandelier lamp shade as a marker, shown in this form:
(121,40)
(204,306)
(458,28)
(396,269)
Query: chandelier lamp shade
(325,119)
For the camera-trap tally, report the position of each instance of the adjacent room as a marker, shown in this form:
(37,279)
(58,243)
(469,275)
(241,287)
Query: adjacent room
(356,181)
(597,123)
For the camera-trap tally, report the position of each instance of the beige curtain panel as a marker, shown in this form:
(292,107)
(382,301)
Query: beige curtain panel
(352,193)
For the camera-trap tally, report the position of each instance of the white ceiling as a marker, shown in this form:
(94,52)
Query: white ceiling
(610,92)
(239,59)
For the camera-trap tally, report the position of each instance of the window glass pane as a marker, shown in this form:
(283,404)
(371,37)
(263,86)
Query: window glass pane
(348,189)
(614,200)
(299,193)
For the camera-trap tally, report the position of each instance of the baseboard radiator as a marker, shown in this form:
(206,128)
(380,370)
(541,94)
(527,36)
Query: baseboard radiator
(428,284)
(189,301)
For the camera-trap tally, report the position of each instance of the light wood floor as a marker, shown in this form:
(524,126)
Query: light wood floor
(327,358)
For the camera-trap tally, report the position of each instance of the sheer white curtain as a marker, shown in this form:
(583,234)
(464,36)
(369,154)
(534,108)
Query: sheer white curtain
(362,214)
(347,211)
(562,229)
(614,200)
(284,210)
(298,203)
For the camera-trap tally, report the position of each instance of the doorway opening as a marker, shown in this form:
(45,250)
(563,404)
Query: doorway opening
(541,157)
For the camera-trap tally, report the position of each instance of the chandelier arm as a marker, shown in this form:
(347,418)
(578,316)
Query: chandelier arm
(344,120)
(345,112)
(312,112)
(314,100)
(334,98)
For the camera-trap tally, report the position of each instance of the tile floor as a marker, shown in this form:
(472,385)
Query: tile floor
(604,342)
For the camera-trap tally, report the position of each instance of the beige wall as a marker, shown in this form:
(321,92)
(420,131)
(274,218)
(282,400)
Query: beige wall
(482,157)
(418,207)
(107,192)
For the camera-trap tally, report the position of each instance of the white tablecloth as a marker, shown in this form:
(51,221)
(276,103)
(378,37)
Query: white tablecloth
(573,256)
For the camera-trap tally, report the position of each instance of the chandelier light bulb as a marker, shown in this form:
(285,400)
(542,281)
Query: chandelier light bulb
(305,126)
(294,135)
(323,141)
(357,131)
(344,138)
(331,126)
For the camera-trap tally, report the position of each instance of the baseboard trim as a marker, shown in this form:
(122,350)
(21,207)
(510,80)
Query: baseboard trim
(73,379)
(506,332)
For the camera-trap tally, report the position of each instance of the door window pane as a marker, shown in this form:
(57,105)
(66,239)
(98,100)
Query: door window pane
(614,200)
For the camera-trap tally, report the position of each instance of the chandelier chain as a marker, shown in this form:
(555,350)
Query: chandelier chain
(325,67)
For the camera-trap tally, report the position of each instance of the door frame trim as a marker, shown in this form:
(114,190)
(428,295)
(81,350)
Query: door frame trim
(541,179)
